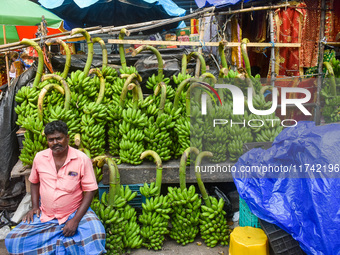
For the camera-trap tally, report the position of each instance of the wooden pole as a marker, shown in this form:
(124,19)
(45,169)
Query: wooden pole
(213,44)
(6,57)
(272,49)
(317,115)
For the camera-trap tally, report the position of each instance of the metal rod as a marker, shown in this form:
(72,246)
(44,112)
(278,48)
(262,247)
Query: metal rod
(317,115)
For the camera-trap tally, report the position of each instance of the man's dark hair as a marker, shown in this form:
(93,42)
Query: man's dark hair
(57,125)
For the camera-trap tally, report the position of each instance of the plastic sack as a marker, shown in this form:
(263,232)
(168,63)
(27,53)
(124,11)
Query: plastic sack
(9,149)
(23,208)
(306,205)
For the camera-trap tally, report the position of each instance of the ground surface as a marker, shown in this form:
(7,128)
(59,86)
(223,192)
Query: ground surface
(170,247)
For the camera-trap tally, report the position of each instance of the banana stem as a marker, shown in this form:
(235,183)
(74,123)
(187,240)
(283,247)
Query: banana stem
(134,88)
(114,180)
(180,88)
(40,68)
(199,178)
(123,32)
(42,95)
(222,55)
(89,45)
(208,76)
(245,56)
(67,52)
(104,50)
(187,96)
(102,84)
(161,86)
(65,85)
(184,64)
(201,59)
(183,165)
(125,88)
(158,55)
(159,167)
(332,78)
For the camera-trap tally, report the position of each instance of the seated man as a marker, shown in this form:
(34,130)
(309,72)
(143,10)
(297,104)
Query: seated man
(63,179)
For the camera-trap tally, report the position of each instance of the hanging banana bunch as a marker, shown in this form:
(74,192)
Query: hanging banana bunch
(183,74)
(157,132)
(114,119)
(34,140)
(155,213)
(213,224)
(186,206)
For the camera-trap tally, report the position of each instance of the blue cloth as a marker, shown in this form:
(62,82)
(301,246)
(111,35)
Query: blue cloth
(80,13)
(306,201)
(47,238)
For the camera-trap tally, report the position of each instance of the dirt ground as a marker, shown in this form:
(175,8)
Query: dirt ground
(170,247)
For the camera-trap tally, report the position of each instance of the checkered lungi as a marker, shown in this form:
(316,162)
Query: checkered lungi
(47,238)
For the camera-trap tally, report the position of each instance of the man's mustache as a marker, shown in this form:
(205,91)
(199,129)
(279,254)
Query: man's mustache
(56,146)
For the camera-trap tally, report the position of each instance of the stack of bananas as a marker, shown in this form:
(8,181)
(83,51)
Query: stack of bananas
(213,225)
(215,139)
(180,77)
(239,135)
(131,129)
(182,129)
(267,128)
(114,112)
(110,75)
(157,135)
(27,99)
(186,212)
(152,82)
(34,141)
(197,127)
(154,217)
(93,128)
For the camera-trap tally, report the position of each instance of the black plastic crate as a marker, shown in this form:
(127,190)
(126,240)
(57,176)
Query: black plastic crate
(280,242)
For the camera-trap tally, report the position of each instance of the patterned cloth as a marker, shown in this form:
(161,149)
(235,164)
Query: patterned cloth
(47,238)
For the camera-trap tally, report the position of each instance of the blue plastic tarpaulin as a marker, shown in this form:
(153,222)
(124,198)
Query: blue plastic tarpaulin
(218,3)
(302,195)
(80,13)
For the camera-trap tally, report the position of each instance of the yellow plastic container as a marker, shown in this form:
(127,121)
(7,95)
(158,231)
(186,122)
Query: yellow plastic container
(248,241)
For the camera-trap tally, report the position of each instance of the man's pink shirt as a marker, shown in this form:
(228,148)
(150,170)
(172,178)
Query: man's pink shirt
(62,193)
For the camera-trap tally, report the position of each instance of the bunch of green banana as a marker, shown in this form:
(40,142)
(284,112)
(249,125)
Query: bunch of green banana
(182,129)
(238,136)
(113,218)
(157,135)
(27,99)
(269,130)
(259,102)
(180,77)
(213,225)
(215,139)
(131,130)
(197,126)
(186,212)
(93,128)
(152,81)
(154,217)
(114,112)
(34,141)
(79,83)
(109,73)
(331,110)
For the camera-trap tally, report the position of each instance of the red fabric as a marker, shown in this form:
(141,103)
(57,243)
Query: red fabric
(289,22)
(29,31)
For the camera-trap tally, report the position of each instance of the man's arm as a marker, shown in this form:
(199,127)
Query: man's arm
(35,203)
(72,225)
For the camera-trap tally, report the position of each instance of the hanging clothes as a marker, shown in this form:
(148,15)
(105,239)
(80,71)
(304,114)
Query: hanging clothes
(236,36)
(310,34)
(288,24)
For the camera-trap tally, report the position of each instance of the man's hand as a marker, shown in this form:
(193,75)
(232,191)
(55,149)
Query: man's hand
(70,227)
(30,214)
